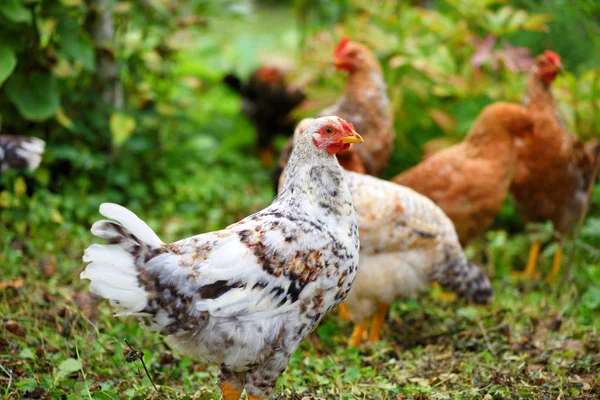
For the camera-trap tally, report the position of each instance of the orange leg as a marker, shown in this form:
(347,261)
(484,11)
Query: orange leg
(377,323)
(445,296)
(357,333)
(255,398)
(555,265)
(343,312)
(534,252)
(229,392)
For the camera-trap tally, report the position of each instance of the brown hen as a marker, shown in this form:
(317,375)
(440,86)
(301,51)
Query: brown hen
(365,104)
(470,180)
(554,167)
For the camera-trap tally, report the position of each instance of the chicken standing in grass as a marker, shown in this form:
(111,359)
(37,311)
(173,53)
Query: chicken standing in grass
(243,297)
(470,180)
(406,243)
(20,152)
(554,168)
(365,104)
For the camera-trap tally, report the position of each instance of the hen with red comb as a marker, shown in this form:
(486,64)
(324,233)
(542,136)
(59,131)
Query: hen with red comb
(365,104)
(554,168)
(243,297)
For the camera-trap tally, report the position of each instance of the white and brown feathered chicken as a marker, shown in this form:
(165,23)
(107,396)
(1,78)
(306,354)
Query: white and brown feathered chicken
(243,297)
(20,152)
(406,242)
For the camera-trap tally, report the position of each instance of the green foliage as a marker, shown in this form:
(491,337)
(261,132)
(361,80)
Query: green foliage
(438,66)
(140,136)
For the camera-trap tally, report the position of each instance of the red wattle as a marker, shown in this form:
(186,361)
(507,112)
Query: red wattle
(338,147)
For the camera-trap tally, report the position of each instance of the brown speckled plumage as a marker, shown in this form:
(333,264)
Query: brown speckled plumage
(406,242)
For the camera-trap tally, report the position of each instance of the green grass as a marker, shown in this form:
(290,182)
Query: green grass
(57,342)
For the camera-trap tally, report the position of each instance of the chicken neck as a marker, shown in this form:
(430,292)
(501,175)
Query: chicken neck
(314,181)
(365,82)
(538,94)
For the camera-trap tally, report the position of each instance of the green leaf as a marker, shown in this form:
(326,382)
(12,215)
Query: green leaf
(352,374)
(35,96)
(66,368)
(75,44)
(14,11)
(26,353)
(8,61)
(121,126)
(591,298)
(538,22)
(20,186)
(69,365)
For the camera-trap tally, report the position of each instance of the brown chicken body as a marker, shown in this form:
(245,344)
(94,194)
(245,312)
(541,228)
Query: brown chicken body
(469,181)
(554,168)
(364,103)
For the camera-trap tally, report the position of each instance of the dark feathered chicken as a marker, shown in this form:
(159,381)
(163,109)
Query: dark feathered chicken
(20,152)
(267,101)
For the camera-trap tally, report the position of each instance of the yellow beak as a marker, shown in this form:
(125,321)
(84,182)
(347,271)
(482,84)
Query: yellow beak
(355,138)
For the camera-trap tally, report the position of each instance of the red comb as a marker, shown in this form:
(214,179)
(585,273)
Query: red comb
(341,45)
(552,57)
(269,74)
(348,127)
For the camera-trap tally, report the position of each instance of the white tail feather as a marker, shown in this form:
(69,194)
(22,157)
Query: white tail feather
(31,150)
(129,221)
(113,276)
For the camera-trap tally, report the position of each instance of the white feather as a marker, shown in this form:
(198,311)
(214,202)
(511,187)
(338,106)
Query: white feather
(113,274)
(131,222)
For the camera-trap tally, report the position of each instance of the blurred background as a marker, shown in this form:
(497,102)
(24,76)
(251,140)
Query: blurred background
(130,99)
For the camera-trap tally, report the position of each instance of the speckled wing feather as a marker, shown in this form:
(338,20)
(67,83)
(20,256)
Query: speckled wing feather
(254,269)
(406,241)
(395,218)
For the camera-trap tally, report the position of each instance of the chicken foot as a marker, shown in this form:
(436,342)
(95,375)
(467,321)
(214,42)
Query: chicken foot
(377,322)
(343,312)
(442,295)
(556,261)
(530,269)
(229,392)
(357,333)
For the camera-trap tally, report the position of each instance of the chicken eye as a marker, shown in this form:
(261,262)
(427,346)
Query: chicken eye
(329,130)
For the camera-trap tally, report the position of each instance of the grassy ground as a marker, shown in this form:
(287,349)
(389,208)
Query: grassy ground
(58,342)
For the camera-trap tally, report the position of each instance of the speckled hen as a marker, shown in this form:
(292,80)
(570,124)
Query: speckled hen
(406,242)
(243,297)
